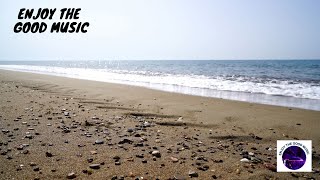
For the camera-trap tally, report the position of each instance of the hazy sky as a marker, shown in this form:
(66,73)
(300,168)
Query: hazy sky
(169,29)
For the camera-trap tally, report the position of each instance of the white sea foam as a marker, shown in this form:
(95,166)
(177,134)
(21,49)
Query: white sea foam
(236,88)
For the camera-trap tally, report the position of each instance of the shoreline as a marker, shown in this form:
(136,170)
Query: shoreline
(208,140)
(257,98)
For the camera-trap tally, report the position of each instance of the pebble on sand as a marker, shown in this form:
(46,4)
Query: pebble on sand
(193,174)
(99,141)
(48,154)
(245,160)
(156,153)
(174,159)
(94,166)
(71,175)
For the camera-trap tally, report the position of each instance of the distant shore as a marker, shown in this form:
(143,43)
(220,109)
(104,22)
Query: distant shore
(54,126)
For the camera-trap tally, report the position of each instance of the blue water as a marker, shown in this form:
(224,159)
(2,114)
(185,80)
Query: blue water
(292,83)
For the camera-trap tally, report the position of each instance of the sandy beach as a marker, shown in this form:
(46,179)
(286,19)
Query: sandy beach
(58,128)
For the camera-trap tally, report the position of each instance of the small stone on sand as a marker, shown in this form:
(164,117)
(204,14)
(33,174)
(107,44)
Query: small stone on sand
(95,166)
(71,175)
(99,141)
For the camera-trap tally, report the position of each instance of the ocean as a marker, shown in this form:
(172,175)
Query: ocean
(290,83)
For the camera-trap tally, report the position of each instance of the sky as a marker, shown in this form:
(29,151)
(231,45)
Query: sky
(168,30)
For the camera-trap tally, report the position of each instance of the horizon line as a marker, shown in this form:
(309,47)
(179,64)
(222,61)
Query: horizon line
(300,59)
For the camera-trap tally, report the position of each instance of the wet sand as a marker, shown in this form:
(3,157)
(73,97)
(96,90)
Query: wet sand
(53,126)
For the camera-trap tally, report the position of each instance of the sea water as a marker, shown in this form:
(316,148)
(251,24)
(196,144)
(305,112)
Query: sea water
(290,83)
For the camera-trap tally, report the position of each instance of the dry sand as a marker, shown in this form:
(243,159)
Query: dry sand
(49,126)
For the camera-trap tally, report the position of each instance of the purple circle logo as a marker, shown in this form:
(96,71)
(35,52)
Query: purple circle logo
(294,157)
